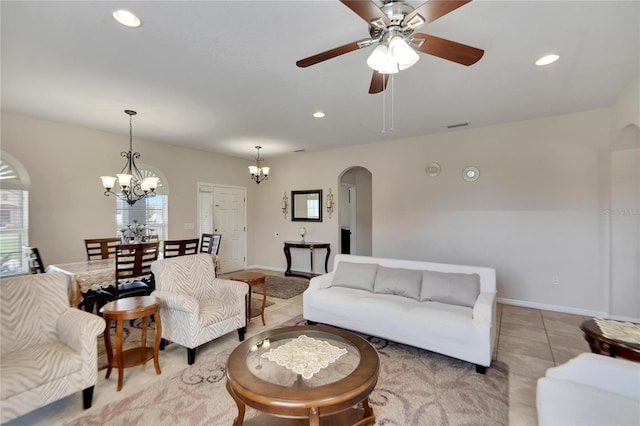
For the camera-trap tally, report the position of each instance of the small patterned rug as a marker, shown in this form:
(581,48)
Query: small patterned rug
(415,387)
(282,287)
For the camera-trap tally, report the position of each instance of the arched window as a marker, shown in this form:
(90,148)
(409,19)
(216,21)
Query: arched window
(14,215)
(152,211)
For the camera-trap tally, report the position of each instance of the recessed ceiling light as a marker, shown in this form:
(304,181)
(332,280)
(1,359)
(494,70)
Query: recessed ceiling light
(318,114)
(126,18)
(546,60)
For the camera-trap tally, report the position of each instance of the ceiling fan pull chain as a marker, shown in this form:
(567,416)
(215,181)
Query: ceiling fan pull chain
(384,107)
(392,101)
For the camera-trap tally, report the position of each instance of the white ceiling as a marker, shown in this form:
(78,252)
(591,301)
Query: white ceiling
(221,75)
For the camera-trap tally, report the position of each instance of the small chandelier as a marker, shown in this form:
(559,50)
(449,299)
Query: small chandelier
(259,173)
(132,184)
(392,55)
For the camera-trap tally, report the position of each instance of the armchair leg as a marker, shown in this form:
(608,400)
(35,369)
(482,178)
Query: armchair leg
(241,334)
(163,343)
(191,355)
(481,369)
(87,397)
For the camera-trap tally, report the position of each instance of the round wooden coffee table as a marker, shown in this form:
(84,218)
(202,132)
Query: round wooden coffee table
(127,309)
(286,397)
(252,278)
(600,344)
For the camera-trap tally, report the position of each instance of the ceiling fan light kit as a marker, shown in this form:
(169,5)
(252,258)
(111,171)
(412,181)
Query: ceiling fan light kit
(391,27)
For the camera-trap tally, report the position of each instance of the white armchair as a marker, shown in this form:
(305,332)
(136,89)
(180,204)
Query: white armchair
(48,350)
(590,389)
(196,306)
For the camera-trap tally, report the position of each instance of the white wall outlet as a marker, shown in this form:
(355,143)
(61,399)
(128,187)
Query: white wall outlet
(189,226)
(555,280)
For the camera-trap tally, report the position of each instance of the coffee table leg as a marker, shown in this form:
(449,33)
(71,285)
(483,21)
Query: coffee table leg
(368,411)
(241,407)
(107,346)
(314,417)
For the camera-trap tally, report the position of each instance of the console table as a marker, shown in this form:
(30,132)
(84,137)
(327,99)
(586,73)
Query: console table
(288,245)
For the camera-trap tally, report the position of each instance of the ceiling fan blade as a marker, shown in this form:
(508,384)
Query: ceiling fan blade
(449,50)
(350,47)
(369,11)
(432,10)
(378,82)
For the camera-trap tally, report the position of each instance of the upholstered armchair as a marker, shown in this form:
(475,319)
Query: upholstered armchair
(48,350)
(196,306)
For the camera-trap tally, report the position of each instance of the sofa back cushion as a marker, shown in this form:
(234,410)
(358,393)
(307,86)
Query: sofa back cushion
(355,275)
(451,288)
(398,281)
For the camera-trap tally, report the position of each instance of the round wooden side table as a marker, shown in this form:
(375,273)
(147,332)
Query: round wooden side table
(252,278)
(128,309)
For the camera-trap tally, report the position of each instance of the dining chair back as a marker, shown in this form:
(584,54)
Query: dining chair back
(101,248)
(173,248)
(133,269)
(35,261)
(210,243)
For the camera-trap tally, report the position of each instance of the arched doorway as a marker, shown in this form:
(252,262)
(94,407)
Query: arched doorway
(354,207)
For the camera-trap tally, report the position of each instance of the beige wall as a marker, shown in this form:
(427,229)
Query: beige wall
(535,214)
(64,162)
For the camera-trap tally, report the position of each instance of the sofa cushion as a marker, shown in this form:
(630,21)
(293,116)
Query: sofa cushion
(452,288)
(398,281)
(355,275)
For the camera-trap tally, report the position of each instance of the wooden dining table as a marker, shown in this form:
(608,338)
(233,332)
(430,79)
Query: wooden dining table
(86,275)
(90,275)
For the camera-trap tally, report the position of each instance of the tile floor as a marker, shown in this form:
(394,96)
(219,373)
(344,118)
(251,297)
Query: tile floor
(529,341)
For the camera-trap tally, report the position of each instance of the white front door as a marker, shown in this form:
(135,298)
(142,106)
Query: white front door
(229,220)
(222,211)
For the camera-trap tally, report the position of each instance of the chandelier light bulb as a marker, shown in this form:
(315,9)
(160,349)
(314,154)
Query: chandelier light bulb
(377,58)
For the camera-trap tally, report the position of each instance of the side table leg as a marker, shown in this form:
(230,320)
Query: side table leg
(314,417)
(119,354)
(107,346)
(241,407)
(156,346)
(264,299)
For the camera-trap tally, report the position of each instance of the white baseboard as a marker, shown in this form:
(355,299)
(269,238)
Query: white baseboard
(554,308)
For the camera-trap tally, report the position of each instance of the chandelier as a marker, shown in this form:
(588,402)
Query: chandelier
(393,54)
(259,173)
(133,186)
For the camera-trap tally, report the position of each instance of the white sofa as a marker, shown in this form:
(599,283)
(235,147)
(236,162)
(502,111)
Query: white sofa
(590,389)
(48,350)
(396,300)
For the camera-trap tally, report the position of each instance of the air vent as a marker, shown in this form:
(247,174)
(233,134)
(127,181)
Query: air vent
(453,126)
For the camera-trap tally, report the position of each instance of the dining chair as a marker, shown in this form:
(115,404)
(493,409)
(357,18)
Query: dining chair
(101,248)
(210,243)
(133,269)
(173,248)
(35,261)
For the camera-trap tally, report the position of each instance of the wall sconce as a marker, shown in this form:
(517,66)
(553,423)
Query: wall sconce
(329,203)
(285,204)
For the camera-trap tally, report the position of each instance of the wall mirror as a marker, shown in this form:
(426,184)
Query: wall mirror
(306,206)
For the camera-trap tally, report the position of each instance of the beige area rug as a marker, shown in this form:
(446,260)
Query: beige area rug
(415,387)
(282,287)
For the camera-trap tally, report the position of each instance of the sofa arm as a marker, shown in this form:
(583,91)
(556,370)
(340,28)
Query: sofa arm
(484,309)
(77,328)
(614,375)
(176,301)
(321,281)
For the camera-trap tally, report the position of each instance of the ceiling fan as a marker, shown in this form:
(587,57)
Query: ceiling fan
(392,27)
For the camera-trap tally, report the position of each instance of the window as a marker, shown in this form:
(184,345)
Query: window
(152,211)
(14,215)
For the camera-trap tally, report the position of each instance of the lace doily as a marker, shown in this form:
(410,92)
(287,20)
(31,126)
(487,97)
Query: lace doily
(625,331)
(305,355)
